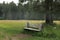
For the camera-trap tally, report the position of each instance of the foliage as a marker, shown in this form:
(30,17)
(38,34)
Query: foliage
(34,9)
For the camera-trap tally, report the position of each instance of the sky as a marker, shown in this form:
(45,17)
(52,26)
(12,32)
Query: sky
(8,1)
(15,1)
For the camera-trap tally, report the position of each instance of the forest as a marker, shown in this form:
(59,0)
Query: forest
(33,10)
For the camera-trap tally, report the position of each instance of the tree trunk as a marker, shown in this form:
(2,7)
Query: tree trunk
(49,19)
(48,6)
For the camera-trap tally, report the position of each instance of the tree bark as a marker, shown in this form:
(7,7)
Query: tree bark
(49,19)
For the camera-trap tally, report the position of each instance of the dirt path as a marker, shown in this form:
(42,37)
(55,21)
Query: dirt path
(17,37)
(14,37)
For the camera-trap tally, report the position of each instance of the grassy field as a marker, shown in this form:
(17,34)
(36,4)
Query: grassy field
(14,30)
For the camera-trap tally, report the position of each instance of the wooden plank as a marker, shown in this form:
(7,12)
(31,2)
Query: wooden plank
(33,27)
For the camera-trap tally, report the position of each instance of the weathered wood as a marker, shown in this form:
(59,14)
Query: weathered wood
(33,27)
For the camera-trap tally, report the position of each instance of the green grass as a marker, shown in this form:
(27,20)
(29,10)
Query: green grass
(11,28)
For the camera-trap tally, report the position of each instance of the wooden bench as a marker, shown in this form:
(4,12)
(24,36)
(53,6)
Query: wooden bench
(33,27)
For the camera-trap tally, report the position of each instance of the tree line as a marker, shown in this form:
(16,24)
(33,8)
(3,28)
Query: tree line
(33,10)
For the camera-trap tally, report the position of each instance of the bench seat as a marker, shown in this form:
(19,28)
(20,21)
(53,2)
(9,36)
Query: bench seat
(33,27)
